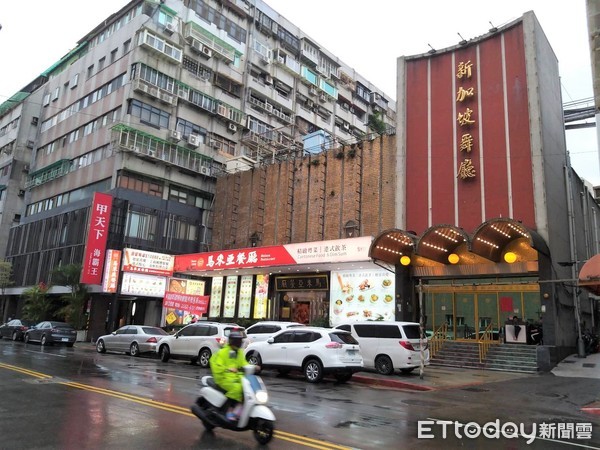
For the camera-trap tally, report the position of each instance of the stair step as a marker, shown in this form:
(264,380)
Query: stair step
(500,357)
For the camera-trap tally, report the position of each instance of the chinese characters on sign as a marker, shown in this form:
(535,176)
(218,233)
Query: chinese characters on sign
(153,263)
(465,119)
(111,271)
(302,283)
(95,247)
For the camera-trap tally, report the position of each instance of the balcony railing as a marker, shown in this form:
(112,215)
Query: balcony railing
(48,173)
(148,146)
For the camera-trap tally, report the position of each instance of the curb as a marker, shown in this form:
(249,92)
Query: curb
(382,382)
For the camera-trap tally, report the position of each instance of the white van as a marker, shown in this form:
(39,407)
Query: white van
(389,346)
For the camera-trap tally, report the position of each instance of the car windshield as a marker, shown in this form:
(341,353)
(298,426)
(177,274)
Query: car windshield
(60,325)
(155,331)
(228,330)
(343,338)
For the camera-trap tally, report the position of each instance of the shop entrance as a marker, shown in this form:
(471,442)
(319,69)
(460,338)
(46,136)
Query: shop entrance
(467,311)
(303,306)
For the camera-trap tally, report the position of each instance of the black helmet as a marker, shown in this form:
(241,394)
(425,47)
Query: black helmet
(235,338)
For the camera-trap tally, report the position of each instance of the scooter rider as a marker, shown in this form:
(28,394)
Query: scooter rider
(227,369)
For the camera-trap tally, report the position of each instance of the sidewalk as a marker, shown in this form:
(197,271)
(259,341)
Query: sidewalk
(440,377)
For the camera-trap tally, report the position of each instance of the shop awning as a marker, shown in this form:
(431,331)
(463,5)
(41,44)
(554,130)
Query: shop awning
(589,275)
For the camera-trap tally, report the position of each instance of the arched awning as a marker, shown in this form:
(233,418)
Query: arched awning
(589,275)
(390,245)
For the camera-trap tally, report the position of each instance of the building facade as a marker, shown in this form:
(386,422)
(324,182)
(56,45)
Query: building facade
(150,107)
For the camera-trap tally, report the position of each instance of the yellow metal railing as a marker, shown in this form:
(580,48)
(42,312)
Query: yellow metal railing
(437,340)
(486,339)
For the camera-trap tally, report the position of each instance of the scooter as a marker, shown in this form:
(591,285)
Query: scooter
(212,404)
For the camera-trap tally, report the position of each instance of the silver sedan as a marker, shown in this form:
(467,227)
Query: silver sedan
(132,339)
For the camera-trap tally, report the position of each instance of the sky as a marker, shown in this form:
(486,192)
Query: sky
(366,35)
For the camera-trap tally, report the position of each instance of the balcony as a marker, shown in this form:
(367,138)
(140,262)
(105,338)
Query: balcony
(162,95)
(201,39)
(150,147)
(160,47)
(46,174)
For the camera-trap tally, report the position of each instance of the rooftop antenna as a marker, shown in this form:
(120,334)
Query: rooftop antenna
(463,41)
(493,29)
(432,51)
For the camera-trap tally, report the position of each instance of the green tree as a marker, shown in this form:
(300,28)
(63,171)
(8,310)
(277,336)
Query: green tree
(376,123)
(73,309)
(5,281)
(37,306)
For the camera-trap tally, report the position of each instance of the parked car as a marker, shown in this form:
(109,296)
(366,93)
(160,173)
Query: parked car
(132,339)
(50,332)
(15,329)
(261,331)
(314,351)
(196,342)
(387,346)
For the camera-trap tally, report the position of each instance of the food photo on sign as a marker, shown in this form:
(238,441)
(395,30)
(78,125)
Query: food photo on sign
(361,295)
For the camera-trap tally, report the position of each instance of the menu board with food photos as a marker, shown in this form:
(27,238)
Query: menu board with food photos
(361,295)
(261,293)
(143,285)
(231,283)
(184,286)
(216,292)
(245,296)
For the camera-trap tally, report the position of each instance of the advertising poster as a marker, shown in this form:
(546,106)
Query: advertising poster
(150,263)
(111,271)
(216,293)
(143,285)
(245,296)
(231,284)
(184,301)
(361,295)
(261,296)
(95,246)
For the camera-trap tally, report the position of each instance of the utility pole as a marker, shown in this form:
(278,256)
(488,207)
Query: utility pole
(422,338)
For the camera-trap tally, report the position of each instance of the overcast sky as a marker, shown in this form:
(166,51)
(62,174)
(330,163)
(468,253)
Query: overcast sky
(366,35)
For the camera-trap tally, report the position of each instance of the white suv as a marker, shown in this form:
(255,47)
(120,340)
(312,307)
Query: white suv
(196,342)
(387,346)
(313,350)
(261,331)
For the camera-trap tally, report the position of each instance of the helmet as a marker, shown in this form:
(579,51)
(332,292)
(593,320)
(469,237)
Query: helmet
(235,338)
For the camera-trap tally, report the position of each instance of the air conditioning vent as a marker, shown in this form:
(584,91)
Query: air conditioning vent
(194,140)
(269,107)
(310,104)
(212,143)
(264,59)
(322,98)
(232,127)
(205,171)
(346,126)
(170,28)
(175,135)
(206,51)
(268,79)
(312,90)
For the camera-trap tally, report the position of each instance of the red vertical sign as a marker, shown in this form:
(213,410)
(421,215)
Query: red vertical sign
(95,247)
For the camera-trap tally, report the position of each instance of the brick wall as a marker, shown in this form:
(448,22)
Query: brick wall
(310,198)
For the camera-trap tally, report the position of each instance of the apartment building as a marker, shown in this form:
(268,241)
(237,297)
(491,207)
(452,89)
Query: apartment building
(150,107)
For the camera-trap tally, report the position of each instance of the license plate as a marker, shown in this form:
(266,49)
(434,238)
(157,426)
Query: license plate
(351,352)
(65,339)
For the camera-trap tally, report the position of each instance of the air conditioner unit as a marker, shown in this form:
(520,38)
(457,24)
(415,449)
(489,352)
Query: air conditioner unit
(269,107)
(232,127)
(196,45)
(320,70)
(170,28)
(374,97)
(281,59)
(264,59)
(154,92)
(167,98)
(310,103)
(268,79)
(212,143)
(205,171)
(312,90)
(175,135)
(346,126)
(135,149)
(276,113)
(194,140)
(322,98)
(206,51)
(222,110)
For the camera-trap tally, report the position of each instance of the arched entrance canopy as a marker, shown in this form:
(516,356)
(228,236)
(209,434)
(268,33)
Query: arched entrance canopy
(589,275)
(489,244)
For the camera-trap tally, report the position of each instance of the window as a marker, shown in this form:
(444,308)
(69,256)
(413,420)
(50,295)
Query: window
(55,94)
(46,100)
(310,76)
(101,62)
(149,114)
(113,55)
(283,338)
(378,331)
(90,71)
(140,225)
(127,46)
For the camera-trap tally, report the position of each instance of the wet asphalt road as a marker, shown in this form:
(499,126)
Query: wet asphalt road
(73,398)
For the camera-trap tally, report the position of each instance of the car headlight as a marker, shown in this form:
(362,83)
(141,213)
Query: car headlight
(262,397)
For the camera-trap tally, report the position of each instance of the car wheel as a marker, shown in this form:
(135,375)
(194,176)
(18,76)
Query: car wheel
(407,370)
(165,353)
(134,349)
(254,359)
(43,340)
(343,377)
(100,347)
(204,357)
(15,336)
(383,365)
(26,338)
(313,371)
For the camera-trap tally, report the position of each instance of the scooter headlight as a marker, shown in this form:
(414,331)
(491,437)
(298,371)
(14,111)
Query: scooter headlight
(262,397)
